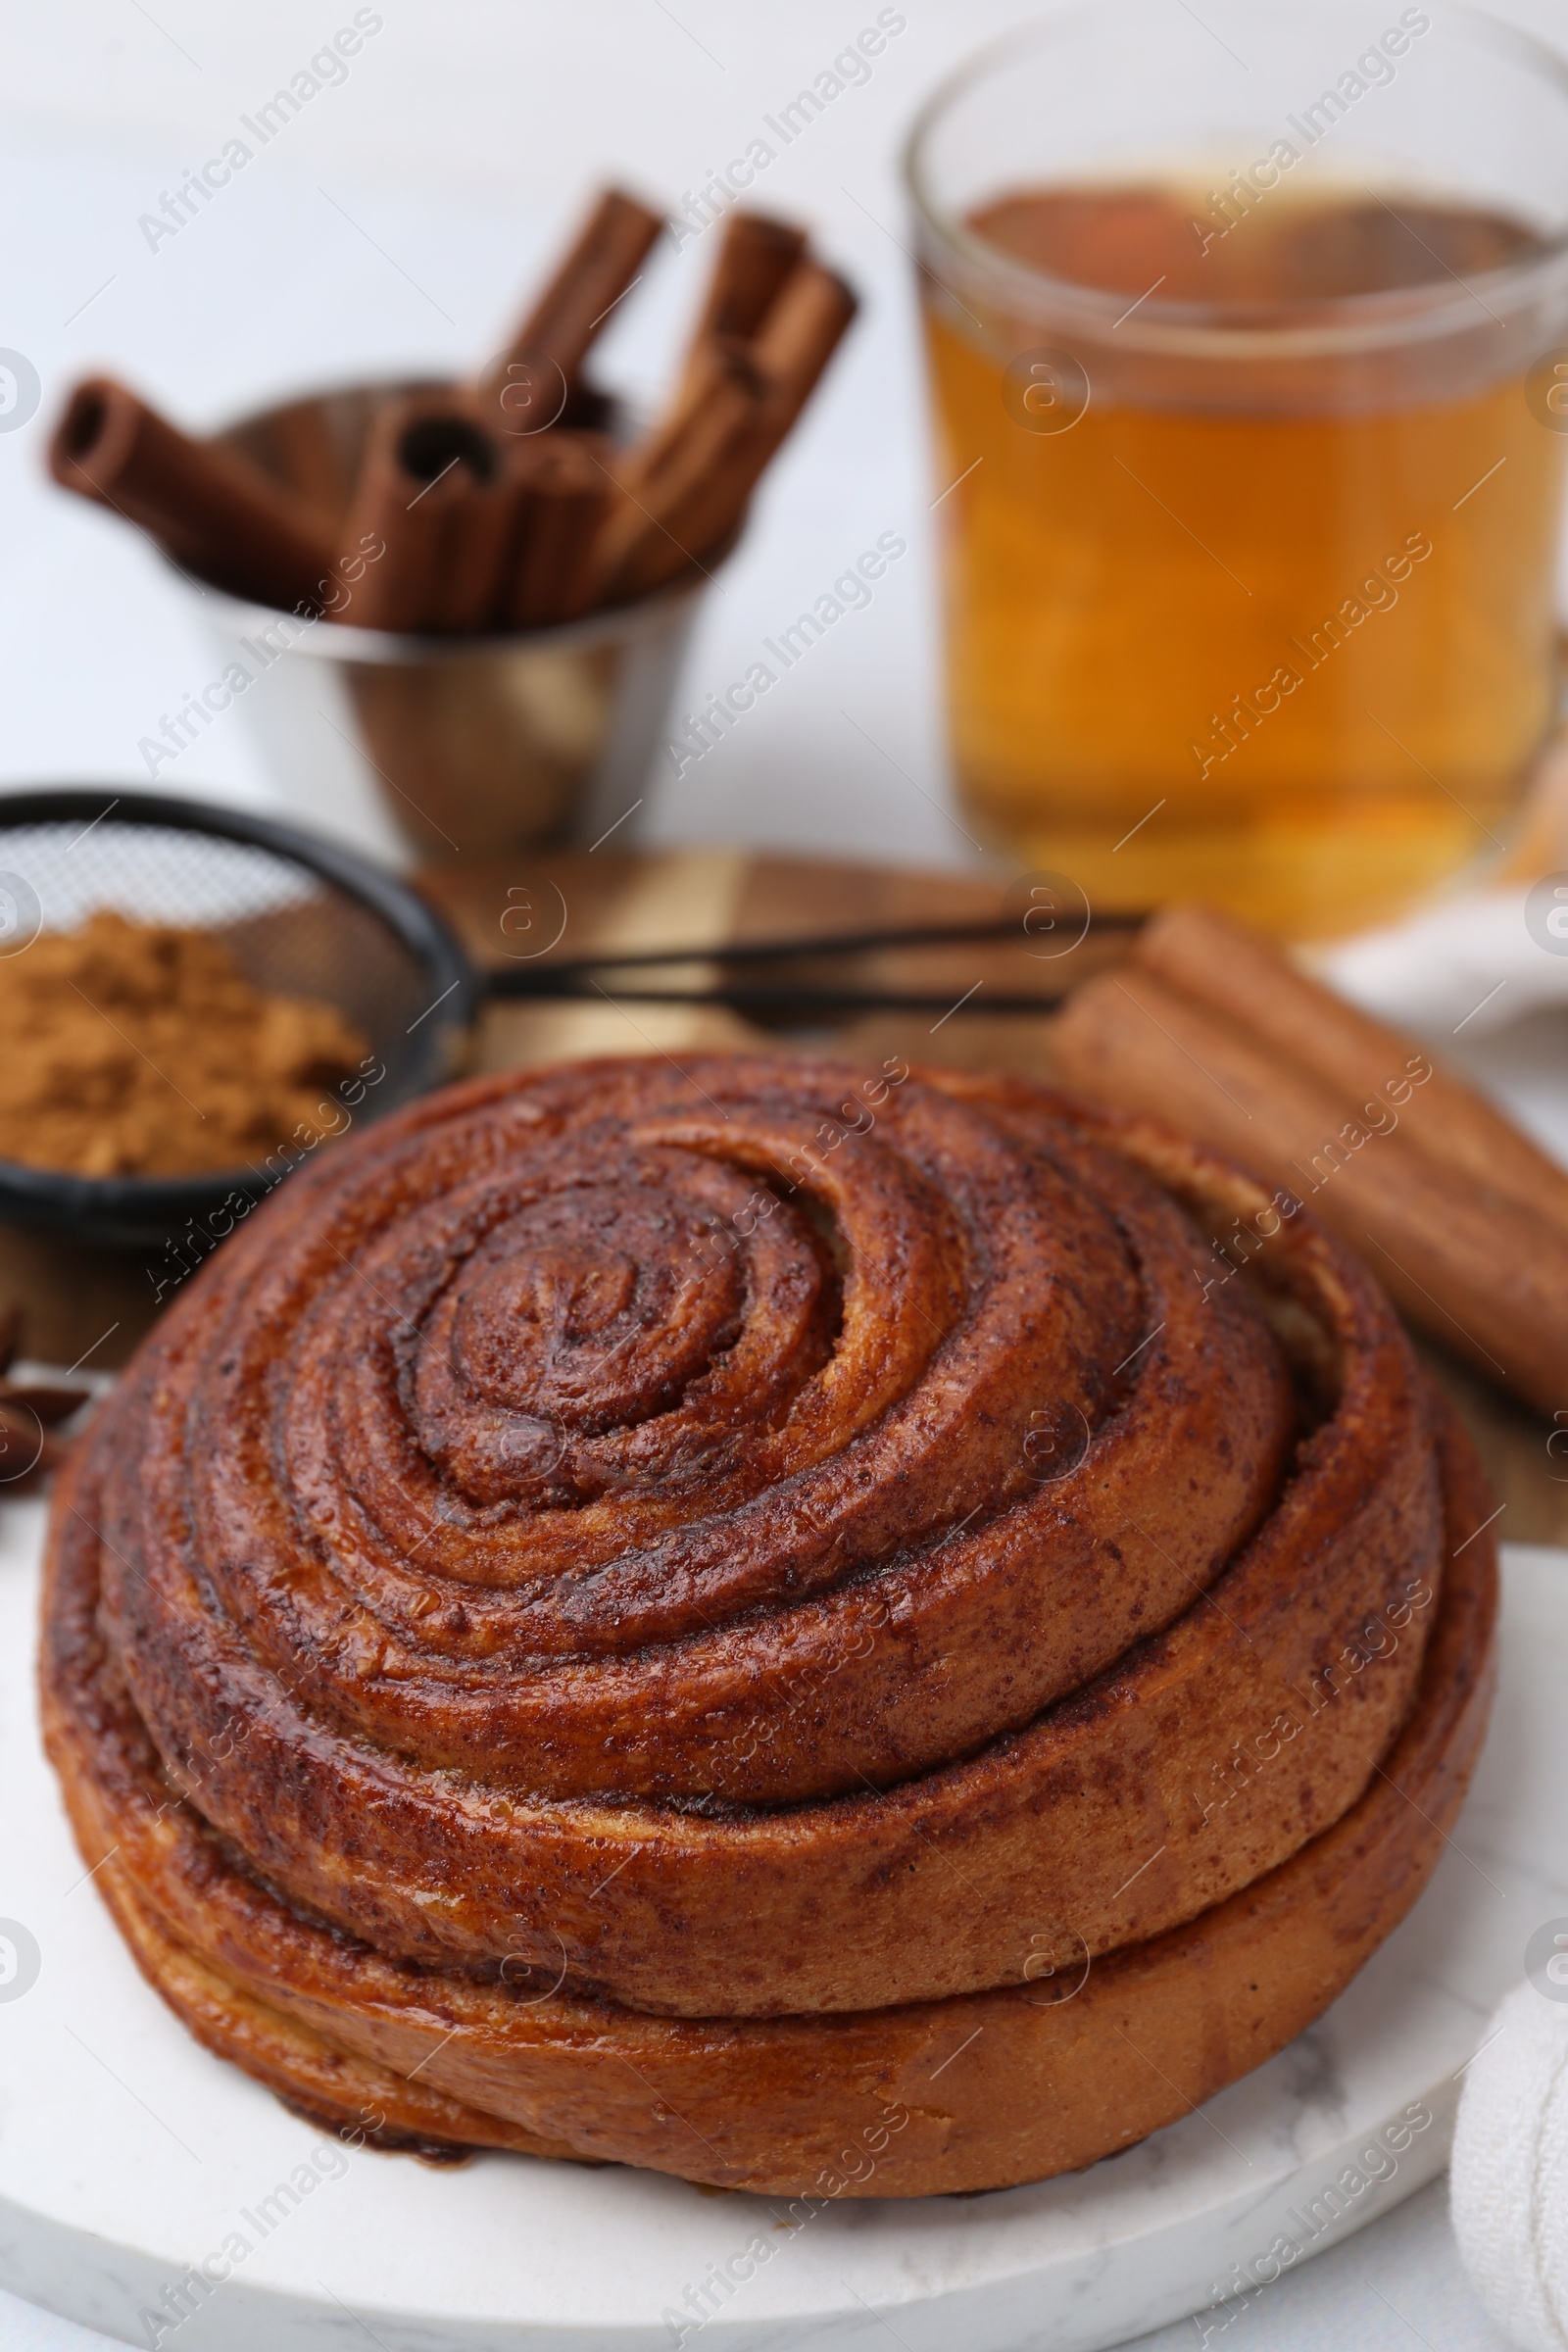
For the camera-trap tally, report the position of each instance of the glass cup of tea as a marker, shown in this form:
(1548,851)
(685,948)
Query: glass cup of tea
(1248,331)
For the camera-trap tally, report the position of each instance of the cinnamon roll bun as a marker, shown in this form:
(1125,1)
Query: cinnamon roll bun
(634,1610)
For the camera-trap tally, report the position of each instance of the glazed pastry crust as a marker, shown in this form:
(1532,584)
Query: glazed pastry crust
(558,1799)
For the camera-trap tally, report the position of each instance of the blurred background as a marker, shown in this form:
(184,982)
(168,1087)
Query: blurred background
(393,225)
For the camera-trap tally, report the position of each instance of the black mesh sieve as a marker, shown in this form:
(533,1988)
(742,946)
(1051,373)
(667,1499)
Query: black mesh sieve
(300,916)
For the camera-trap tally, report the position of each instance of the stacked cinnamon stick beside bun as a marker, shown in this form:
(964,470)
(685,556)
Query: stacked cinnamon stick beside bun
(1460,1217)
(499,506)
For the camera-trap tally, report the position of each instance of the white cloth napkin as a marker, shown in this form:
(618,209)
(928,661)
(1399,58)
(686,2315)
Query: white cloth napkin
(1464,967)
(1509,2178)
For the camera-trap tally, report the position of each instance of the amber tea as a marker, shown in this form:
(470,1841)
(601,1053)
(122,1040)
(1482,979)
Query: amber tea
(1294,658)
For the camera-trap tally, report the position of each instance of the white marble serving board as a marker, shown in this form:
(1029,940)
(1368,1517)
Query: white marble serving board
(128,2156)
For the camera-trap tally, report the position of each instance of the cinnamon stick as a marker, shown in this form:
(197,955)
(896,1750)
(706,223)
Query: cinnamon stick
(690,484)
(562,486)
(715,363)
(601,266)
(685,488)
(1486,1274)
(799,336)
(436,490)
(1224,963)
(755,258)
(209,509)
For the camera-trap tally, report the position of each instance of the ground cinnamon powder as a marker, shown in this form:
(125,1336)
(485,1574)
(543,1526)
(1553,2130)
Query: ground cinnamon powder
(141,1050)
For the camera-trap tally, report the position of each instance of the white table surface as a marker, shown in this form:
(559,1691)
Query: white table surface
(394,225)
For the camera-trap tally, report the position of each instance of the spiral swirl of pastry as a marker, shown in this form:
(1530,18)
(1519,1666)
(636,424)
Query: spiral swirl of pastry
(763,1539)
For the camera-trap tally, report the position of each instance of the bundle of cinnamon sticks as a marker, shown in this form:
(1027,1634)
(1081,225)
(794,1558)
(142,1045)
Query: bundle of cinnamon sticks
(1465,1223)
(497,506)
